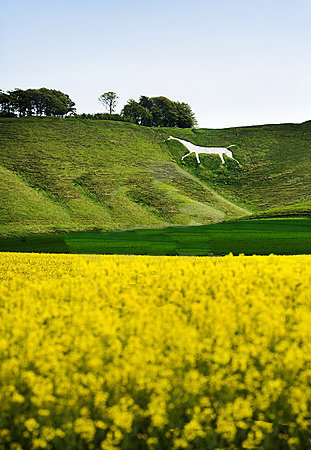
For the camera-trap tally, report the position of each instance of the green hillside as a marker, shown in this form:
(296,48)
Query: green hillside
(74,174)
(78,174)
(274,169)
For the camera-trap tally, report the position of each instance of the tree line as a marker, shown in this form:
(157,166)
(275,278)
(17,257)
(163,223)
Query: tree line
(35,102)
(147,111)
(159,112)
(152,111)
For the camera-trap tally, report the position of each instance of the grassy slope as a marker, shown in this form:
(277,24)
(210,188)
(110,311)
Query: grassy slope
(275,169)
(302,209)
(63,174)
(68,174)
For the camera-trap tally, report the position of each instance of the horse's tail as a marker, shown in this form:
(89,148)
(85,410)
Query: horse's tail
(233,145)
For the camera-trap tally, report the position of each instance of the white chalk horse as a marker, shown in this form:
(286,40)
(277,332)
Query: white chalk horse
(221,151)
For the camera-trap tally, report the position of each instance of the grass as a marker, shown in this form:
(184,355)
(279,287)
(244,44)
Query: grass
(85,175)
(297,210)
(75,174)
(261,236)
(274,169)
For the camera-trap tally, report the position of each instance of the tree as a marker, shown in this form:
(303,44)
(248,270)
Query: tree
(56,103)
(186,118)
(6,105)
(109,100)
(21,102)
(146,102)
(153,109)
(167,113)
(136,113)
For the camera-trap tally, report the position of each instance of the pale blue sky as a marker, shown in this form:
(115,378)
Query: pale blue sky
(236,62)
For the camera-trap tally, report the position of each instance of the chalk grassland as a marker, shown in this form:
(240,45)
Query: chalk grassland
(302,209)
(274,169)
(74,174)
(71,174)
(155,353)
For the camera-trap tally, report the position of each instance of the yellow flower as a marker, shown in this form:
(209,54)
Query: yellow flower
(85,427)
(113,350)
(31,425)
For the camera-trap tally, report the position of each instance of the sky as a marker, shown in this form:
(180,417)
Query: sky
(235,62)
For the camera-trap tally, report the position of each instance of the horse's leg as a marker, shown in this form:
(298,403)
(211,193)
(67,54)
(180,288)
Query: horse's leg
(221,157)
(186,155)
(231,157)
(197,156)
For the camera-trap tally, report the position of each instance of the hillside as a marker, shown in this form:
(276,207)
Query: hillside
(274,169)
(75,174)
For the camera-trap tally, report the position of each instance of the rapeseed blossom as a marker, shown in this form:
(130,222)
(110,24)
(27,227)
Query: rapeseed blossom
(128,352)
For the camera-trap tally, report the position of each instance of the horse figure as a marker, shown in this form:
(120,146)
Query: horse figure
(220,151)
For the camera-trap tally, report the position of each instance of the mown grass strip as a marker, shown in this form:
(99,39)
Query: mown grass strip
(262,237)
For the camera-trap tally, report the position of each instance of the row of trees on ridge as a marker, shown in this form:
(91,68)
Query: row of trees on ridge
(159,112)
(148,111)
(152,111)
(35,102)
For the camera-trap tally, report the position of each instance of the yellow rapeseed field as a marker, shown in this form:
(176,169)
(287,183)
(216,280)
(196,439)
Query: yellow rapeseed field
(154,352)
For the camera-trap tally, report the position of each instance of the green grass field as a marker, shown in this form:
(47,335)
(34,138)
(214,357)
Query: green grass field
(302,209)
(274,169)
(74,174)
(61,175)
(262,237)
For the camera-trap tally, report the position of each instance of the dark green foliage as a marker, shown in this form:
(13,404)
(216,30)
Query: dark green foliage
(159,112)
(169,113)
(35,102)
(6,105)
(146,102)
(186,118)
(136,113)
(21,102)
